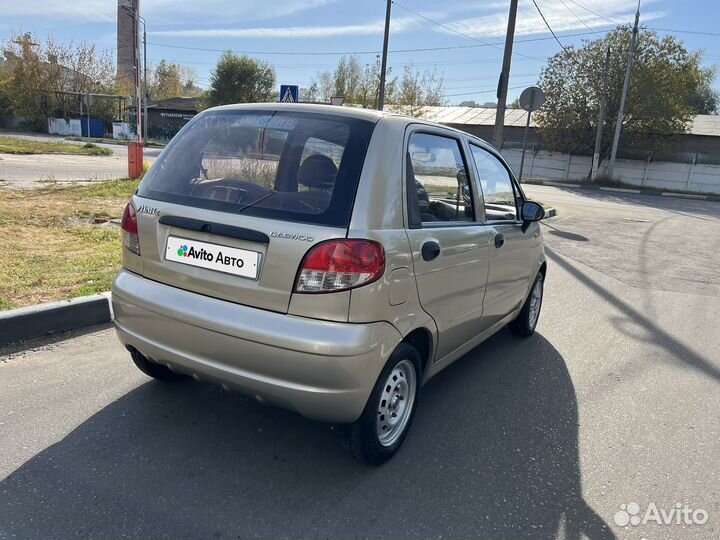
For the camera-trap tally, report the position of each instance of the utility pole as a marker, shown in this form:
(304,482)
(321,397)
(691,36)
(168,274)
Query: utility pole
(626,85)
(601,118)
(145,104)
(504,77)
(383,66)
(138,93)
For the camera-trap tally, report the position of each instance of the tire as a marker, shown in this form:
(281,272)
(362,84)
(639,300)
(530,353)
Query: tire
(153,369)
(363,438)
(525,323)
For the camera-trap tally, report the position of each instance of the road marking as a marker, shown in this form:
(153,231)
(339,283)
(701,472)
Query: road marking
(560,184)
(621,190)
(685,196)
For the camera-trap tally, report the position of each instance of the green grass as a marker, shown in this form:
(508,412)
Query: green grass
(12,145)
(51,249)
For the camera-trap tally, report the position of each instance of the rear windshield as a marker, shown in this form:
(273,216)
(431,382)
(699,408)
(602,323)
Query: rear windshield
(289,166)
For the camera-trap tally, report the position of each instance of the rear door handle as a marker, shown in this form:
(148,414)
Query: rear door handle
(499,240)
(430,250)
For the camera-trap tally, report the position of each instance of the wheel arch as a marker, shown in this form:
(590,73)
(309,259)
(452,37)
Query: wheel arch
(421,338)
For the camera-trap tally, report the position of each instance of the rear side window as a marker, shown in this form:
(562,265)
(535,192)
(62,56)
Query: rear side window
(279,165)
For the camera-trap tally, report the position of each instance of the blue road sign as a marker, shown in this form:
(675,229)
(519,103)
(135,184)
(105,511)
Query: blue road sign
(289,93)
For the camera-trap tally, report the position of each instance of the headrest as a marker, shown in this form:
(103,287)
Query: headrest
(317,171)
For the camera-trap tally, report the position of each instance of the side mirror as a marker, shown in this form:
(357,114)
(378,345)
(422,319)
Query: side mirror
(531,211)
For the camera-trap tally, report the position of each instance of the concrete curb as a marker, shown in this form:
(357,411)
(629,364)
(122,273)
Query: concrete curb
(36,321)
(710,197)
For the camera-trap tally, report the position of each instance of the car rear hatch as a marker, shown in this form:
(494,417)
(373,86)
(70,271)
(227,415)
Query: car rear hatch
(237,199)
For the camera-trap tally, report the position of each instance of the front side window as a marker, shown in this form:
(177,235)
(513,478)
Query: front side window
(497,186)
(436,169)
(289,166)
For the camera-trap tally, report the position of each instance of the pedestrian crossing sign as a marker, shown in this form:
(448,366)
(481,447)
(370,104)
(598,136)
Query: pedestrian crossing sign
(288,93)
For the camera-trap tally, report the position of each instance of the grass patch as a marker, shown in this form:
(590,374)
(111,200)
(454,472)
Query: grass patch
(51,250)
(12,145)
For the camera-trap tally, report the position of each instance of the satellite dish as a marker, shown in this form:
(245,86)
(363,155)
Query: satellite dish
(532,98)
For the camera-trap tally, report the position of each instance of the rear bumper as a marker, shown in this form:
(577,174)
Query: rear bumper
(323,370)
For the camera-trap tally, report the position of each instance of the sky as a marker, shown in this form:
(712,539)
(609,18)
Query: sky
(463,39)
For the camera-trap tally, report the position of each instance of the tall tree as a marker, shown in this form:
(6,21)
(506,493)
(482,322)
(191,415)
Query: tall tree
(241,79)
(360,85)
(416,91)
(170,80)
(665,79)
(41,79)
(705,100)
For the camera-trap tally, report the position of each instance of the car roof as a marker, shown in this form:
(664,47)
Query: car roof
(355,112)
(371,115)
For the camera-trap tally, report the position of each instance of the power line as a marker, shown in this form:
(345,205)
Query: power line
(551,30)
(482,92)
(449,28)
(594,12)
(373,52)
(699,33)
(579,19)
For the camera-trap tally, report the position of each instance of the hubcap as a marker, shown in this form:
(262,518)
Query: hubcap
(535,303)
(396,402)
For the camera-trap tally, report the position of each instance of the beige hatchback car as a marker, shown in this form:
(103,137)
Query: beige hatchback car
(328,260)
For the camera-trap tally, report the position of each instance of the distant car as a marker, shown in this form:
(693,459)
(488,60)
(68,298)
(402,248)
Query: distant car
(328,260)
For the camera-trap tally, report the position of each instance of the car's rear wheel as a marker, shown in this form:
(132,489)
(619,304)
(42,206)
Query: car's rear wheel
(526,322)
(380,431)
(153,369)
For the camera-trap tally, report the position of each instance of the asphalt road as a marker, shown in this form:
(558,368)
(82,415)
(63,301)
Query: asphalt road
(614,401)
(26,171)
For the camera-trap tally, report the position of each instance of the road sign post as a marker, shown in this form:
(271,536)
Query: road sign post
(289,93)
(531,100)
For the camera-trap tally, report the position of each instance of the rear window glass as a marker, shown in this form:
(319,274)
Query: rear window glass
(289,166)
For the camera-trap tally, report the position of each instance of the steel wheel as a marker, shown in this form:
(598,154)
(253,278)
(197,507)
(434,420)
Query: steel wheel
(396,402)
(535,303)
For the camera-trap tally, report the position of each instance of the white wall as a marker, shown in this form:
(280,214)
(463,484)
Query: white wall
(657,174)
(122,130)
(60,126)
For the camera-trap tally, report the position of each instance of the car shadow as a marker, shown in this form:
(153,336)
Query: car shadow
(493,453)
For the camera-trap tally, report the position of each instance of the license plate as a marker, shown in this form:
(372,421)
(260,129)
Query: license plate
(239,262)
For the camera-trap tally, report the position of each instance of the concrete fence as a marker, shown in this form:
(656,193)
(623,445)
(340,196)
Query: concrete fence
(693,176)
(61,126)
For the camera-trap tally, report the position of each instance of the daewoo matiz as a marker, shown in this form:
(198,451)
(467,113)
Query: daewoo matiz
(328,260)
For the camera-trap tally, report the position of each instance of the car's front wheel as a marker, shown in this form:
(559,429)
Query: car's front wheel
(526,322)
(384,424)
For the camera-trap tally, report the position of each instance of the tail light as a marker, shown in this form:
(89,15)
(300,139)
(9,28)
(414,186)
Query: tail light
(129,228)
(339,265)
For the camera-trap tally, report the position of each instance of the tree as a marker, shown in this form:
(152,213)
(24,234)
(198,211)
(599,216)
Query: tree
(360,86)
(705,100)
(416,91)
(48,79)
(241,79)
(664,80)
(170,80)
